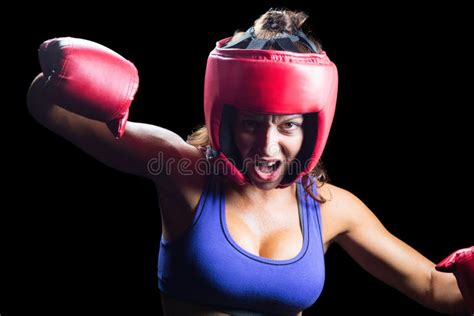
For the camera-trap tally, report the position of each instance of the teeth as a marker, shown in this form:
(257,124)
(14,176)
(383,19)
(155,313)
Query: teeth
(267,164)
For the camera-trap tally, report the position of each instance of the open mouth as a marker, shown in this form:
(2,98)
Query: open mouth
(268,170)
(266,166)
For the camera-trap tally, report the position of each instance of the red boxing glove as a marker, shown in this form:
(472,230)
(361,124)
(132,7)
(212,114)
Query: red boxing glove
(89,79)
(461,263)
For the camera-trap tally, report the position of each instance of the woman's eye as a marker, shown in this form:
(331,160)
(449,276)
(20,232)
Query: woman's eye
(290,126)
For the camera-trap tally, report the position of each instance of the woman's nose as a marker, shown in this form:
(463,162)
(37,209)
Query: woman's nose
(269,142)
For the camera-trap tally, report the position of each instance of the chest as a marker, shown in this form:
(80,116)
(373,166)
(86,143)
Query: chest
(270,231)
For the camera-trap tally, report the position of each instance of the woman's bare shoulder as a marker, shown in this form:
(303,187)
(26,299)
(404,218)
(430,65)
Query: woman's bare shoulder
(341,209)
(334,194)
(182,179)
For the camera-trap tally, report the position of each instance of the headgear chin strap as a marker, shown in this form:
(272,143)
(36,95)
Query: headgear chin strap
(271,82)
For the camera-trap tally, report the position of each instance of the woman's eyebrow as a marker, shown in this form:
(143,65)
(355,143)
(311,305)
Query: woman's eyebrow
(263,117)
(289,117)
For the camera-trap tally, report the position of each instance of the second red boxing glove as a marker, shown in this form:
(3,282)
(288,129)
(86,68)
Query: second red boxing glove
(89,79)
(461,263)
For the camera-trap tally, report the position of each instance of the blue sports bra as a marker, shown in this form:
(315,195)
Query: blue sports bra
(207,267)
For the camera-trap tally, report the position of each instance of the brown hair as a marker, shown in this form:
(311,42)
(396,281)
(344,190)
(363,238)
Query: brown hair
(199,138)
(276,22)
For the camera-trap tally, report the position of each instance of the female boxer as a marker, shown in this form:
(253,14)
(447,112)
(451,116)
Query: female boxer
(245,232)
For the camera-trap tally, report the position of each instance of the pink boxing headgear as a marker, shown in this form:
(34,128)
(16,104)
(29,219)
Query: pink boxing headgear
(270,82)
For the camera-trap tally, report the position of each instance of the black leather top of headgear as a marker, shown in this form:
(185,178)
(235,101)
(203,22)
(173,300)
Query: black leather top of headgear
(284,42)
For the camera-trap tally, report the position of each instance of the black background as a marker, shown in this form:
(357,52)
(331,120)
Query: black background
(80,238)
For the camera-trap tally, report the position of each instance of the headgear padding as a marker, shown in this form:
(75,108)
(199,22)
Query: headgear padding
(270,82)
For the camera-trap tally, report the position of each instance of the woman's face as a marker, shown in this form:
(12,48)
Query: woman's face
(267,144)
